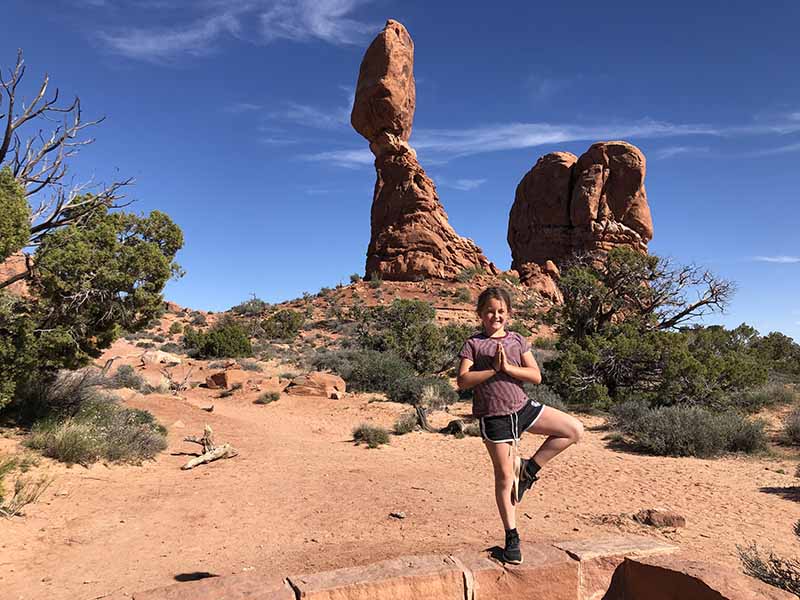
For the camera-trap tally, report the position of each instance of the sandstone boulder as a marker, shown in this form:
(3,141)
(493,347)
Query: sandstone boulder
(411,237)
(12,266)
(227,379)
(566,205)
(327,385)
(659,517)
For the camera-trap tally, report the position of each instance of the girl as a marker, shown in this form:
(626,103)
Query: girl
(496,363)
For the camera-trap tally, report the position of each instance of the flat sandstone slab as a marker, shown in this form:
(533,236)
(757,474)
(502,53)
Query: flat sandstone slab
(430,576)
(545,573)
(599,558)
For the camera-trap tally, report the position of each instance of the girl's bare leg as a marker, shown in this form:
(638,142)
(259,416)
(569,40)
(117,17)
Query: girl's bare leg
(503,463)
(562,430)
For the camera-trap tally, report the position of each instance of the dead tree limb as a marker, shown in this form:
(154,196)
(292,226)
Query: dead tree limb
(422,419)
(211,452)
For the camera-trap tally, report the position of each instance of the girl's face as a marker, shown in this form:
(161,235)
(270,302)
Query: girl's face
(494,316)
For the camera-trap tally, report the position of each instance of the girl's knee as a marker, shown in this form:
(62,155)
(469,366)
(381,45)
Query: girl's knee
(575,431)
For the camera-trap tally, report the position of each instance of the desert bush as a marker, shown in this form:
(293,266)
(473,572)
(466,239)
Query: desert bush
(364,370)
(469,274)
(249,365)
(26,490)
(225,339)
(544,343)
(171,347)
(687,430)
(472,429)
(267,397)
(355,278)
(779,572)
(199,319)
(428,390)
(100,429)
(375,281)
(283,325)
(791,427)
(61,395)
(519,327)
(510,278)
(372,435)
(543,394)
(253,307)
(126,377)
(771,394)
(463,295)
(145,345)
(159,339)
(176,327)
(405,423)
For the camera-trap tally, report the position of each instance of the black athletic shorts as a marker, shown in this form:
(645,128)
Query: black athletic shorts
(507,428)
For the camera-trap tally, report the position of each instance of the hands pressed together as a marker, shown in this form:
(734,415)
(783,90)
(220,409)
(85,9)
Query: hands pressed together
(500,363)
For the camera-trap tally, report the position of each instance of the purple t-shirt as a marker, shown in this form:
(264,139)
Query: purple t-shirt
(501,394)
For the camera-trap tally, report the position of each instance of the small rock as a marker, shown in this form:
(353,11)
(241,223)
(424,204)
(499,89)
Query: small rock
(178,425)
(659,517)
(398,515)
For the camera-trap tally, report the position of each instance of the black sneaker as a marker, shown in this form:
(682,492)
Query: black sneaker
(512,553)
(526,481)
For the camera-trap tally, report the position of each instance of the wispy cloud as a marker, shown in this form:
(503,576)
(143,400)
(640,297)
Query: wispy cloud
(311,116)
(157,45)
(350,159)
(257,21)
(784,260)
(464,185)
(784,149)
(242,107)
(670,151)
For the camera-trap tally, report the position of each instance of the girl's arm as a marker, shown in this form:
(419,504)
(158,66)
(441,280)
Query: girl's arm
(469,379)
(529,371)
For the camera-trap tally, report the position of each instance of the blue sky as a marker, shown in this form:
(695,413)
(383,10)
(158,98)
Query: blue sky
(233,117)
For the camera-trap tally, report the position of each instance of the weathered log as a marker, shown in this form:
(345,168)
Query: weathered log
(422,419)
(224,451)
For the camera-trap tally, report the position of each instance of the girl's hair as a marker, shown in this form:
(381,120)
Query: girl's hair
(494,293)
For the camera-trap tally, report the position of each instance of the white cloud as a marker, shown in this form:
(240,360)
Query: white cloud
(310,116)
(296,20)
(670,151)
(465,185)
(785,149)
(350,159)
(242,107)
(784,260)
(195,39)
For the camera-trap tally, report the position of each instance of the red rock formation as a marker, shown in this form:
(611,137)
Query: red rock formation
(566,205)
(14,265)
(411,236)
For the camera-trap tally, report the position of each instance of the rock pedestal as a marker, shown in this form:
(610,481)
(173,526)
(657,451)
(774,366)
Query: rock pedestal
(411,237)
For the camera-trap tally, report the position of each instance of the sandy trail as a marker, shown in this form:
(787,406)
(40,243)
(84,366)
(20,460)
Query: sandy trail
(301,497)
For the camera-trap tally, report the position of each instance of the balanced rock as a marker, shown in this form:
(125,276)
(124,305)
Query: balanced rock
(411,237)
(567,205)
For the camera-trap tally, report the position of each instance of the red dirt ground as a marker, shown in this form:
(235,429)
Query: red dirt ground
(302,497)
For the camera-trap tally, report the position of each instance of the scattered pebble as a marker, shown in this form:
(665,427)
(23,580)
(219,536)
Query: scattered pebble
(398,515)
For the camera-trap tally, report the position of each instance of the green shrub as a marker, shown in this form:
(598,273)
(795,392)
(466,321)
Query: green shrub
(544,395)
(510,278)
(544,343)
(249,365)
(375,281)
(126,377)
(225,339)
(268,397)
(779,572)
(463,295)
(176,327)
(355,278)
(755,399)
(364,370)
(372,435)
(199,319)
(14,215)
(99,430)
(688,430)
(171,347)
(428,391)
(472,430)
(160,339)
(253,307)
(283,325)
(405,423)
(469,274)
(791,427)
(519,327)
